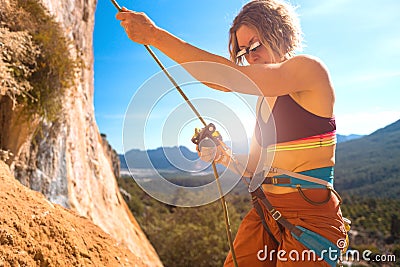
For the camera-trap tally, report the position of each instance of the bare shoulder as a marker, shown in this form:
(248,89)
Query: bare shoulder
(297,74)
(309,71)
(318,94)
(307,63)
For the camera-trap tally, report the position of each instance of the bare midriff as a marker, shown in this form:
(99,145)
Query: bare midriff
(295,161)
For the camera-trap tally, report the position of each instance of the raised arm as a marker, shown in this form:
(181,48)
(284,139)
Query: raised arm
(300,73)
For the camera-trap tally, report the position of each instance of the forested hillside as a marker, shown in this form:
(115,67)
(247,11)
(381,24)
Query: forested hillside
(367,176)
(370,166)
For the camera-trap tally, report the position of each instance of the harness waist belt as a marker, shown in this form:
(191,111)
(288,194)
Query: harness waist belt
(276,181)
(316,178)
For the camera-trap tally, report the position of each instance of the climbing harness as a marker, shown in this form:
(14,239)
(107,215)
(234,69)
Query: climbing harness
(282,177)
(223,202)
(309,239)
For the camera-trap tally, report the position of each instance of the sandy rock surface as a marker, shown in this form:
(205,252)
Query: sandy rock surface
(34,232)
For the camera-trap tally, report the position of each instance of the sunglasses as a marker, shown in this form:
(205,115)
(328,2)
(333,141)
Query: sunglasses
(246,51)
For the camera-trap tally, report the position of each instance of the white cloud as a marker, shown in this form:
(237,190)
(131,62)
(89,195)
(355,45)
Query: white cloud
(373,76)
(352,9)
(365,122)
(320,8)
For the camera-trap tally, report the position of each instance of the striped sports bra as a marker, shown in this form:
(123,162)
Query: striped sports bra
(292,122)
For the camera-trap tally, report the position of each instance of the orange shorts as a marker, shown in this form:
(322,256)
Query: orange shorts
(254,247)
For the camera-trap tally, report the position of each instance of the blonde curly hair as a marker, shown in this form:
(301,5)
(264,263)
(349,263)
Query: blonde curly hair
(277,26)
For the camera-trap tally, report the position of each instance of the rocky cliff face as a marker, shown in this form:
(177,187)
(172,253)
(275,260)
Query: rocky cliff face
(67,161)
(35,232)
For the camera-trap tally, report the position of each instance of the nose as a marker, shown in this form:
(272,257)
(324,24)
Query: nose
(252,57)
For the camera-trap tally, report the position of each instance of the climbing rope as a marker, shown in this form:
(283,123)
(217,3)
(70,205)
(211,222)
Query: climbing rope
(222,198)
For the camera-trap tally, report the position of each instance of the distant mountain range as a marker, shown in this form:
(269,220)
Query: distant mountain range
(365,165)
(166,158)
(176,158)
(345,138)
(370,166)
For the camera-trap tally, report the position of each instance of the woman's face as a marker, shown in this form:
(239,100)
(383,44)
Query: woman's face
(246,37)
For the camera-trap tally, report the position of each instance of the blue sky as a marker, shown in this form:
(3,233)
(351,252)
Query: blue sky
(358,40)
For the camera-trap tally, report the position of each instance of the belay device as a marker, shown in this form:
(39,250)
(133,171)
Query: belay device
(207,136)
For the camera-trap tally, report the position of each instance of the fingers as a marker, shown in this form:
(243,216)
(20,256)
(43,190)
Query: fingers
(122,15)
(207,154)
(138,26)
(125,14)
(217,154)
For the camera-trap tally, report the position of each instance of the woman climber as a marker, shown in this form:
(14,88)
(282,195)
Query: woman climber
(296,211)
